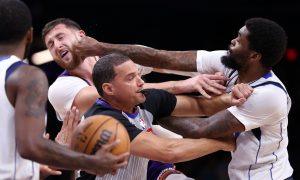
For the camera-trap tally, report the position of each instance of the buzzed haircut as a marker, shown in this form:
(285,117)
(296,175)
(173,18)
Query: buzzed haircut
(267,38)
(104,72)
(67,22)
(15,21)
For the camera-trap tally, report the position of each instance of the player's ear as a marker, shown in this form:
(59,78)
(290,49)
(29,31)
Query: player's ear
(107,88)
(29,36)
(82,33)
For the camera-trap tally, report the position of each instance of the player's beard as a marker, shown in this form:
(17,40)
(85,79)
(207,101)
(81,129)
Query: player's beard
(74,63)
(233,60)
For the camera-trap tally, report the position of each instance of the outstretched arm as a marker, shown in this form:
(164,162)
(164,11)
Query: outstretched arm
(28,94)
(200,106)
(202,83)
(176,60)
(153,147)
(216,126)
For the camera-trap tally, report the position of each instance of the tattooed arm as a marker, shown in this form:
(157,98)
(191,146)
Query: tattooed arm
(216,126)
(27,89)
(177,60)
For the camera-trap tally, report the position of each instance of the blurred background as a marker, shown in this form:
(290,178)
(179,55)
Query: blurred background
(178,25)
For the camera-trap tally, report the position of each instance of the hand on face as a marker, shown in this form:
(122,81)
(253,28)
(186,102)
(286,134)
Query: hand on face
(87,46)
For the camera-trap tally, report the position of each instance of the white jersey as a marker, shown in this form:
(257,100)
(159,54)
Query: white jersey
(12,165)
(64,89)
(261,151)
(62,92)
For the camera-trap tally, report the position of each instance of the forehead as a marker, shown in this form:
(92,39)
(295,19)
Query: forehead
(60,28)
(244,32)
(125,68)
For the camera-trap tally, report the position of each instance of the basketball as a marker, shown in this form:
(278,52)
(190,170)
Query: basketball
(95,131)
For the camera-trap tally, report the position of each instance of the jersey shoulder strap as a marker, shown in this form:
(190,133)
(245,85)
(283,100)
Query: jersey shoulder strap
(270,82)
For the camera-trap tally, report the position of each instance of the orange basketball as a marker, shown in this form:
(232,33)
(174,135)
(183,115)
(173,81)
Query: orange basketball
(95,131)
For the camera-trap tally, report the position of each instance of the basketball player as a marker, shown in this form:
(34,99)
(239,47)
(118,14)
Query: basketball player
(75,87)
(261,123)
(123,97)
(23,92)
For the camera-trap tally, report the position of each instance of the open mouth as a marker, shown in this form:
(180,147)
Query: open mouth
(63,54)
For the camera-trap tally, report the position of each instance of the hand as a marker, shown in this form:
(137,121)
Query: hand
(46,171)
(105,162)
(87,46)
(240,92)
(71,121)
(203,83)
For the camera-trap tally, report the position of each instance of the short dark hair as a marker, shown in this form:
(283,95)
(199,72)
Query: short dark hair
(104,72)
(15,21)
(267,38)
(67,22)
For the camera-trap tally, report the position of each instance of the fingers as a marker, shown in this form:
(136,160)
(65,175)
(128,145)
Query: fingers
(201,91)
(47,171)
(242,90)
(71,121)
(210,83)
(216,77)
(109,147)
(238,102)
(121,165)
(123,157)
(212,86)
(66,119)
(74,118)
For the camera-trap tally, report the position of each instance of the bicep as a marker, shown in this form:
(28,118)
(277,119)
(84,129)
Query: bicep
(30,104)
(85,98)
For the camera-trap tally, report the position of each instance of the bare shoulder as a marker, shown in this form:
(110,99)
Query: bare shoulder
(27,74)
(27,81)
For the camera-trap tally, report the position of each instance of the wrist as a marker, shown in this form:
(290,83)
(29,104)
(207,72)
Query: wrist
(227,99)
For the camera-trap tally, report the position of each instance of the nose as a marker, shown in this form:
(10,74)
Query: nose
(140,81)
(57,44)
(233,41)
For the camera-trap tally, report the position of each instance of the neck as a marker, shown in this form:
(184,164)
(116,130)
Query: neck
(119,105)
(12,49)
(250,75)
(85,69)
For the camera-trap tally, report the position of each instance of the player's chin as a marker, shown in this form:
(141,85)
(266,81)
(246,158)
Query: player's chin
(141,98)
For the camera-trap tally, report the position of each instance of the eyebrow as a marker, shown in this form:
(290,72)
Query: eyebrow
(130,74)
(54,37)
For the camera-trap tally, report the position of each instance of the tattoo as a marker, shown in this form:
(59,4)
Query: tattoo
(35,92)
(177,60)
(218,125)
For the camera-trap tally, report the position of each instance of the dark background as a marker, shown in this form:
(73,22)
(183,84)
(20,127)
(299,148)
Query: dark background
(179,25)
